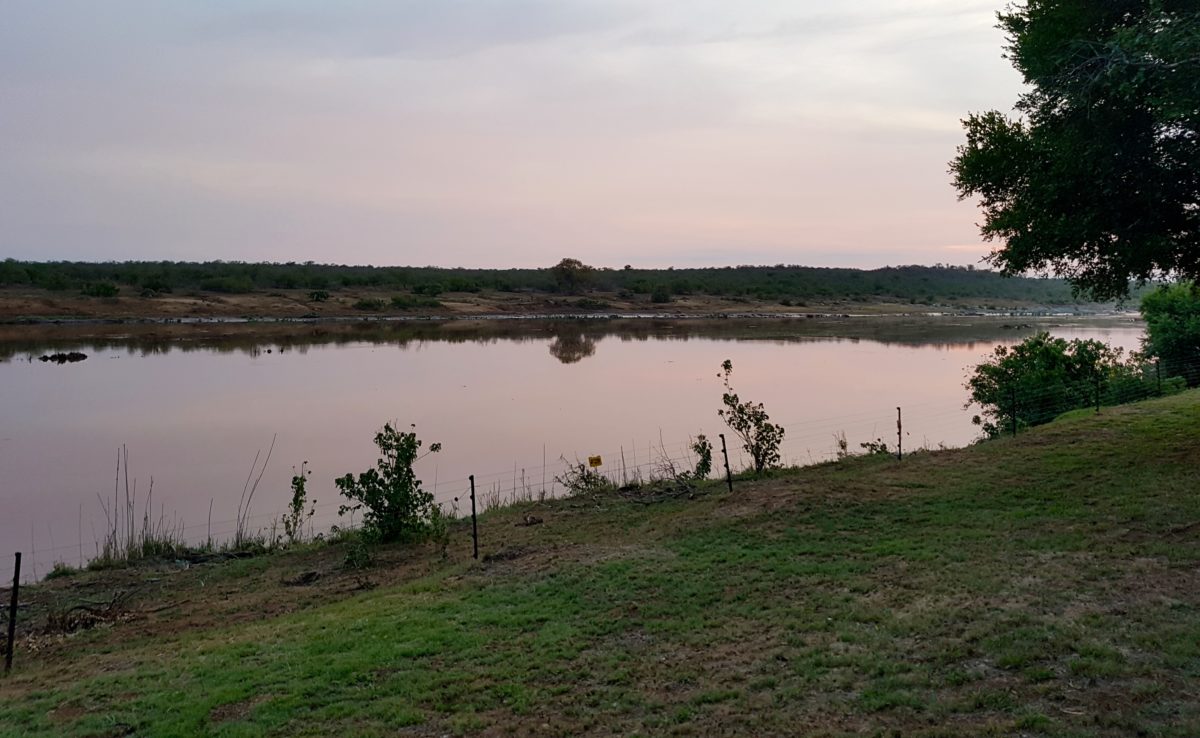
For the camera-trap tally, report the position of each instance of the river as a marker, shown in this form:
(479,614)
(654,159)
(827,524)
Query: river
(508,400)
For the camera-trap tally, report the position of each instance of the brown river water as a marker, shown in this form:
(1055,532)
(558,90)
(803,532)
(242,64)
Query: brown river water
(509,401)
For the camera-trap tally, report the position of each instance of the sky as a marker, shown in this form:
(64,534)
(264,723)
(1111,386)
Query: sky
(493,133)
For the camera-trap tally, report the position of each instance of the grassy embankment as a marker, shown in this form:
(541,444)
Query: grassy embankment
(1043,585)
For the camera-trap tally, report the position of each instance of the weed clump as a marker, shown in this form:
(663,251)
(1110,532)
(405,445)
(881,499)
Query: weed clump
(580,479)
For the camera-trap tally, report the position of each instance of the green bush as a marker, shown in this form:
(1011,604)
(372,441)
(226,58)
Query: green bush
(579,479)
(370,305)
(429,289)
(300,508)
(760,437)
(394,504)
(231,285)
(100,289)
(703,449)
(1173,330)
(62,570)
(1041,378)
(409,302)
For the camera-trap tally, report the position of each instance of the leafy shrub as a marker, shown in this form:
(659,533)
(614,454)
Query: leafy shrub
(703,449)
(318,295)
(660,295)
(407,302)
(62,570)
(458,284)
(1173,330)
(429,289)
(841,445)
(369,304)
(875,448)
(1037,380)
(299,510)
(100,289)
(358,554)
(396,507)
(760,437)
(231,285)
(579,478)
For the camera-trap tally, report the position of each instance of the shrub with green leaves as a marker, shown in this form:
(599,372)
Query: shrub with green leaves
(1173,330)
(703,449)
(370,304)
(300,509)
(394,504)
(749,420)
(100,289)
(1043,377)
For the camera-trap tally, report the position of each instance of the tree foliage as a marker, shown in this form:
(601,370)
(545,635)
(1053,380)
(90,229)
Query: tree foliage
(1042,377)
(1173,330)
(571,275)
(396,507)
(749,420)
(1099,177)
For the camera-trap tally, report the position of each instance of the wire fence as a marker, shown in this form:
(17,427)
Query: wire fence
(916,427)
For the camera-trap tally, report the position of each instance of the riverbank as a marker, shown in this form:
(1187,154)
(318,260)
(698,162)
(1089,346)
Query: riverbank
(36,306)
(1042,585)
(32,315)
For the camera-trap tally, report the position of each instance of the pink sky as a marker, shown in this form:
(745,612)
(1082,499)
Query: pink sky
(493,132)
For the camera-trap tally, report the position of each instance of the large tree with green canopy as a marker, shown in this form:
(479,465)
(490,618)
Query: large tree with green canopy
(1098,176)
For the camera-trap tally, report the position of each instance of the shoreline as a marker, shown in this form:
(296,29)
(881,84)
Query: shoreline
(31,314)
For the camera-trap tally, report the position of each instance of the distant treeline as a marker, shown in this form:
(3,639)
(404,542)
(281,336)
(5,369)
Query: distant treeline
(916,284)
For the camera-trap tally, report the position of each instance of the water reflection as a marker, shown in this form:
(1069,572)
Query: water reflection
(569,341)
(572,346)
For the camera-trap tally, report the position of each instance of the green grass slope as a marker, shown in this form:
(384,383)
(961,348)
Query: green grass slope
(1043,585)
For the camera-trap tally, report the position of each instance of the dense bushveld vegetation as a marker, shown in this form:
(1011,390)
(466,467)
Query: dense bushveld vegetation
(917,284)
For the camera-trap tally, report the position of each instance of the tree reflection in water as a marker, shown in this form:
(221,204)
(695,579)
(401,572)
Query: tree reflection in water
(571,346)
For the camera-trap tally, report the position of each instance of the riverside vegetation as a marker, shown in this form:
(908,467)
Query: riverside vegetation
(420,287)
(1040,585)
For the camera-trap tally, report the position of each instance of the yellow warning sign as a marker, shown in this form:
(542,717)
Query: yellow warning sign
(595,461)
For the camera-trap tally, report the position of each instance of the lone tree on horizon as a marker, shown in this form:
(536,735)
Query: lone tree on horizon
(571,275)
(1099,178)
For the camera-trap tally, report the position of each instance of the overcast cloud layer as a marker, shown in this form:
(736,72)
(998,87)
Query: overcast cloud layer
(493,132)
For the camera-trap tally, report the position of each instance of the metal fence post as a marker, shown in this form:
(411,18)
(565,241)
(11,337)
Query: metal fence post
(12,616)
(474,522)
(725,453)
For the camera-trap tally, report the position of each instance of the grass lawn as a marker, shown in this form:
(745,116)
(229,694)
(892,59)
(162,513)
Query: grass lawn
(1047,585)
